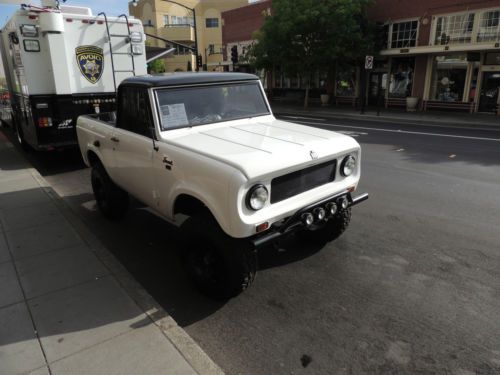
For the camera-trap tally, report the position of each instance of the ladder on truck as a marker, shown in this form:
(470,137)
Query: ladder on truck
(129,40)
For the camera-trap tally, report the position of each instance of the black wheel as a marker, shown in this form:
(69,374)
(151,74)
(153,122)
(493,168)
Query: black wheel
(329,231)
(112,201)
(220,266)
(20,135)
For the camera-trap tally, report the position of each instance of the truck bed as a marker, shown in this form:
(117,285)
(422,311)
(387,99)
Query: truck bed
(107,117)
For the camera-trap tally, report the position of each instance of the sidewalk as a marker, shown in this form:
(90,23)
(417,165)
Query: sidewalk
(475,120)
(67,306)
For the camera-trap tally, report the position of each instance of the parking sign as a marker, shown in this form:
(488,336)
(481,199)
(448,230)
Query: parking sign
(369,62)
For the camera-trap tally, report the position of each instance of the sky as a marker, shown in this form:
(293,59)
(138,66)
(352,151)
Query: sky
(111,7)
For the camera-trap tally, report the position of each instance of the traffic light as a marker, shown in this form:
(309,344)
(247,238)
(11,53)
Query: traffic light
(199,61)
(234,54)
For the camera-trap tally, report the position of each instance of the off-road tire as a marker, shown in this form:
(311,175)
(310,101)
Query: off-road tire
(328,232)
(20,136)
(220,266)
(112,201)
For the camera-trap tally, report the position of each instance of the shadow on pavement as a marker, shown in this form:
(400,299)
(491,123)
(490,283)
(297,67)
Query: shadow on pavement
(148,247)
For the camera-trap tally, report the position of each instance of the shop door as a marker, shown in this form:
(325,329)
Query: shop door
(489,92)
(375,88)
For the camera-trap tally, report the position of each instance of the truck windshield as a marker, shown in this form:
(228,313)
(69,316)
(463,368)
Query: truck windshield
(198,105)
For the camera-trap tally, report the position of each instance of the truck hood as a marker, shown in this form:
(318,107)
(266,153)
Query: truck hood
(258,148)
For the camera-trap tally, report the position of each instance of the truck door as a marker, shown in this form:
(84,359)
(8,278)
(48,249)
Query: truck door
(133,145)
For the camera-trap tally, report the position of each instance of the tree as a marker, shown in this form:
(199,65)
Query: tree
(157,66)
(304,36)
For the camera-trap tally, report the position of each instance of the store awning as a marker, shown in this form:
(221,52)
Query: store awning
(451,48)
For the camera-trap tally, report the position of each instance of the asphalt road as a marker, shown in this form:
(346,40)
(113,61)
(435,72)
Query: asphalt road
(412,287)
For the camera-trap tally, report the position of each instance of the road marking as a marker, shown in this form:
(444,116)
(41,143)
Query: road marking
(304,118)
(404,131)
(351,133)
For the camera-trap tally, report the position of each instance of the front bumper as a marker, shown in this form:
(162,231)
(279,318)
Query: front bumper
(294,222)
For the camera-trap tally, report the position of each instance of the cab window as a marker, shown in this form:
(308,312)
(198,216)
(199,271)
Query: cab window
(134,111)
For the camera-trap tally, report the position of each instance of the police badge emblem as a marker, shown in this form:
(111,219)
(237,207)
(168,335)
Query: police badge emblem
(90,60)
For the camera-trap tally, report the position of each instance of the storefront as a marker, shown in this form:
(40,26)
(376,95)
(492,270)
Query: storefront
(448,78)
(401,77)
(488,95)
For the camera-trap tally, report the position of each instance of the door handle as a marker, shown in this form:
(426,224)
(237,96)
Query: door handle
(114,139)
(168,163)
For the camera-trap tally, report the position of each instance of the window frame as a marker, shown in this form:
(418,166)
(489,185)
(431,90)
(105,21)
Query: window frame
(211,26)
(476,12)
(150,119)
(391,29)
(157,102)
(479,26)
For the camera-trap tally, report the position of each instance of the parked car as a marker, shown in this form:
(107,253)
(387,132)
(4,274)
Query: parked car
(206,146)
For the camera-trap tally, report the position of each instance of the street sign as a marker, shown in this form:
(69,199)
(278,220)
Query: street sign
(369,62)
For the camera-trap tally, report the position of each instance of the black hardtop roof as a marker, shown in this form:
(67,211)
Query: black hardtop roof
(175,79)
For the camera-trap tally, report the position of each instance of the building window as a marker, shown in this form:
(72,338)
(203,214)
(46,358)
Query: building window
(212,22)
(179,50)
(448,78)
(165,19)
(383,35)
(489,27)
(181,21)
(492,58)
(345,83)
(404,34)
(401,80)
(454,29)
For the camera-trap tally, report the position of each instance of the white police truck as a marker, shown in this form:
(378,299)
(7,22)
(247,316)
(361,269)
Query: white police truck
(61,62)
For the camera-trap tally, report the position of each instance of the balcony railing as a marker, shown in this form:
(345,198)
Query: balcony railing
(177,32)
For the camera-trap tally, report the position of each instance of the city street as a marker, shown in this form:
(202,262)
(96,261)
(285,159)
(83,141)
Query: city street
(413,286)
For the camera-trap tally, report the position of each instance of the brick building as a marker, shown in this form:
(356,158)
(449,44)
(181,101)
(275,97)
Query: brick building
(239,25)
(444,52)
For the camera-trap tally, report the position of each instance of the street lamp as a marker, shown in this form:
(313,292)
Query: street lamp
(134,3)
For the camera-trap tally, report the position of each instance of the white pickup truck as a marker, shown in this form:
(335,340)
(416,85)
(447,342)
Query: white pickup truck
(207,146)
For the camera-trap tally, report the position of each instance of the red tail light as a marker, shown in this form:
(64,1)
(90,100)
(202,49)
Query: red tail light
(44,122)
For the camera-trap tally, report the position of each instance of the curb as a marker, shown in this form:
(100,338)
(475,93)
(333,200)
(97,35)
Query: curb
(185,345)
(445,123)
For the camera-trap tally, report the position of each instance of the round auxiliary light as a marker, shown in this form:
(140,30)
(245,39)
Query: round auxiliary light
(307,219)
(257,197)
(344,203)
(331,208)
(319,213)
(348,165)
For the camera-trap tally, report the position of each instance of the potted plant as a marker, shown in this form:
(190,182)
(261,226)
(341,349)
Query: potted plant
(412,103)
(325,99)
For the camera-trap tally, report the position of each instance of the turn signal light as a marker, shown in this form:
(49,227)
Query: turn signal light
(262,227)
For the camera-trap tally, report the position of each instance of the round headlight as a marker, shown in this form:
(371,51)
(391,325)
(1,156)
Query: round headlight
(257,197)
(348,165)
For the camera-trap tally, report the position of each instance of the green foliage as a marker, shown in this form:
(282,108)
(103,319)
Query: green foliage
(157,66)
(304,36)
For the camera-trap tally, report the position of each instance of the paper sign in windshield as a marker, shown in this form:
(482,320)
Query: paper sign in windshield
(173,115)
